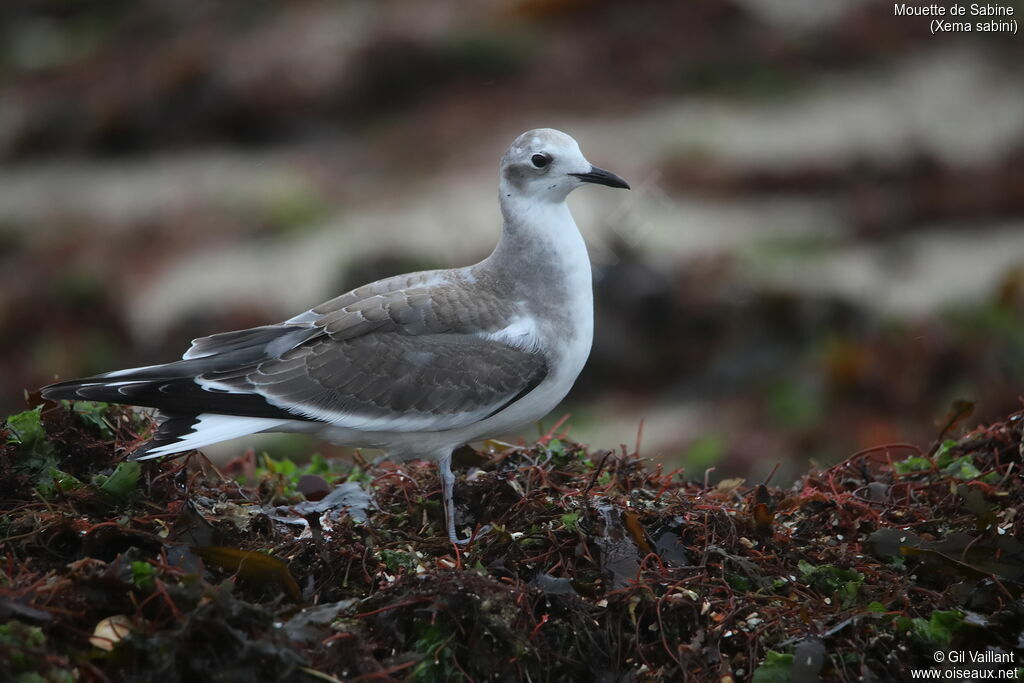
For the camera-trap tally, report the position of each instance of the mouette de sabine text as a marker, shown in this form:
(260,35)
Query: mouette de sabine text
(962,17)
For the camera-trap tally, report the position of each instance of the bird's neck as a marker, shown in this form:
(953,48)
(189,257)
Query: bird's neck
(540,243)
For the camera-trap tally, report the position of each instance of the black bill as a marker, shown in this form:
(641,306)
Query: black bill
(602,177)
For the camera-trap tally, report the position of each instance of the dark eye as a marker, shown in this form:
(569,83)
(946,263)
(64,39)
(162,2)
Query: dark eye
(540,160)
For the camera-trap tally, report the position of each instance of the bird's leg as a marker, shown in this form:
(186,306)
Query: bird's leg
(444,465)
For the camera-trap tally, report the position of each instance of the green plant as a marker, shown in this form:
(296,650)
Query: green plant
(829,579)
(938,629)
(774,669)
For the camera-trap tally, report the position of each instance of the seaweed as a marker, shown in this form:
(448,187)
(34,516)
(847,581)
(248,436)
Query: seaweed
(585,565)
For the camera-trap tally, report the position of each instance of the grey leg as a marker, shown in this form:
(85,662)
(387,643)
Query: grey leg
(444,465)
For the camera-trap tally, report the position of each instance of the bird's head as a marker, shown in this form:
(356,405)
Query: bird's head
(546,164)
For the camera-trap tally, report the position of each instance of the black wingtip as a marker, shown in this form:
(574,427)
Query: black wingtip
(82,390)
(61,391)
(171,430)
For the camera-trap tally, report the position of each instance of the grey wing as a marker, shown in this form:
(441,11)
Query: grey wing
(411,359)
(273,340)
(403,354)
(391,381)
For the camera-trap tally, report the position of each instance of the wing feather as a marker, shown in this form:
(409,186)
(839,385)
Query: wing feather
(394,357)
(407,353)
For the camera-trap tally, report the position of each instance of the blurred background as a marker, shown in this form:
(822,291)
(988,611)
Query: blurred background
(823,250)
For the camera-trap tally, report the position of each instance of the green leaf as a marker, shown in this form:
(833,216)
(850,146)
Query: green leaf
(962,468)
(943,624)
(944,455)
(912,464)
(848,593)
(558,453)
(992,478)
(317,465)
(55,480)
(93,414)
(570,519)
(20,643)
(121,484)
(436,663)
(65,481)
(828,579)
(395,560)
(284,467)
(774,669)
(938,629)
(143,574)
(287,473)
(737,581)
(26,431)
(357,474)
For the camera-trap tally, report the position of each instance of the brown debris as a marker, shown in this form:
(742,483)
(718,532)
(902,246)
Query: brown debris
(584,565)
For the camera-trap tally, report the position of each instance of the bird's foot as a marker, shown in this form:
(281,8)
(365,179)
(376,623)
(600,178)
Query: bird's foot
(454,538)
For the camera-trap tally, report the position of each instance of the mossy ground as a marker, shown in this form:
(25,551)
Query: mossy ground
(597,565)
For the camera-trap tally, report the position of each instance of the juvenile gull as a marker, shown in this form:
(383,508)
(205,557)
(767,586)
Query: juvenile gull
(415,364)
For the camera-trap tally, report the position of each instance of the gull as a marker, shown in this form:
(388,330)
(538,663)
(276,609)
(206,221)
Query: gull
(416,364)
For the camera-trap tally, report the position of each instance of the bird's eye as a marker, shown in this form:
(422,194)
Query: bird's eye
(540,160)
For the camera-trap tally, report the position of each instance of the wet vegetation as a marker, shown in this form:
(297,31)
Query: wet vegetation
(586,564)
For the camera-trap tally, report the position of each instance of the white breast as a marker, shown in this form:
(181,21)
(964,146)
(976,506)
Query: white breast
(565,338)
